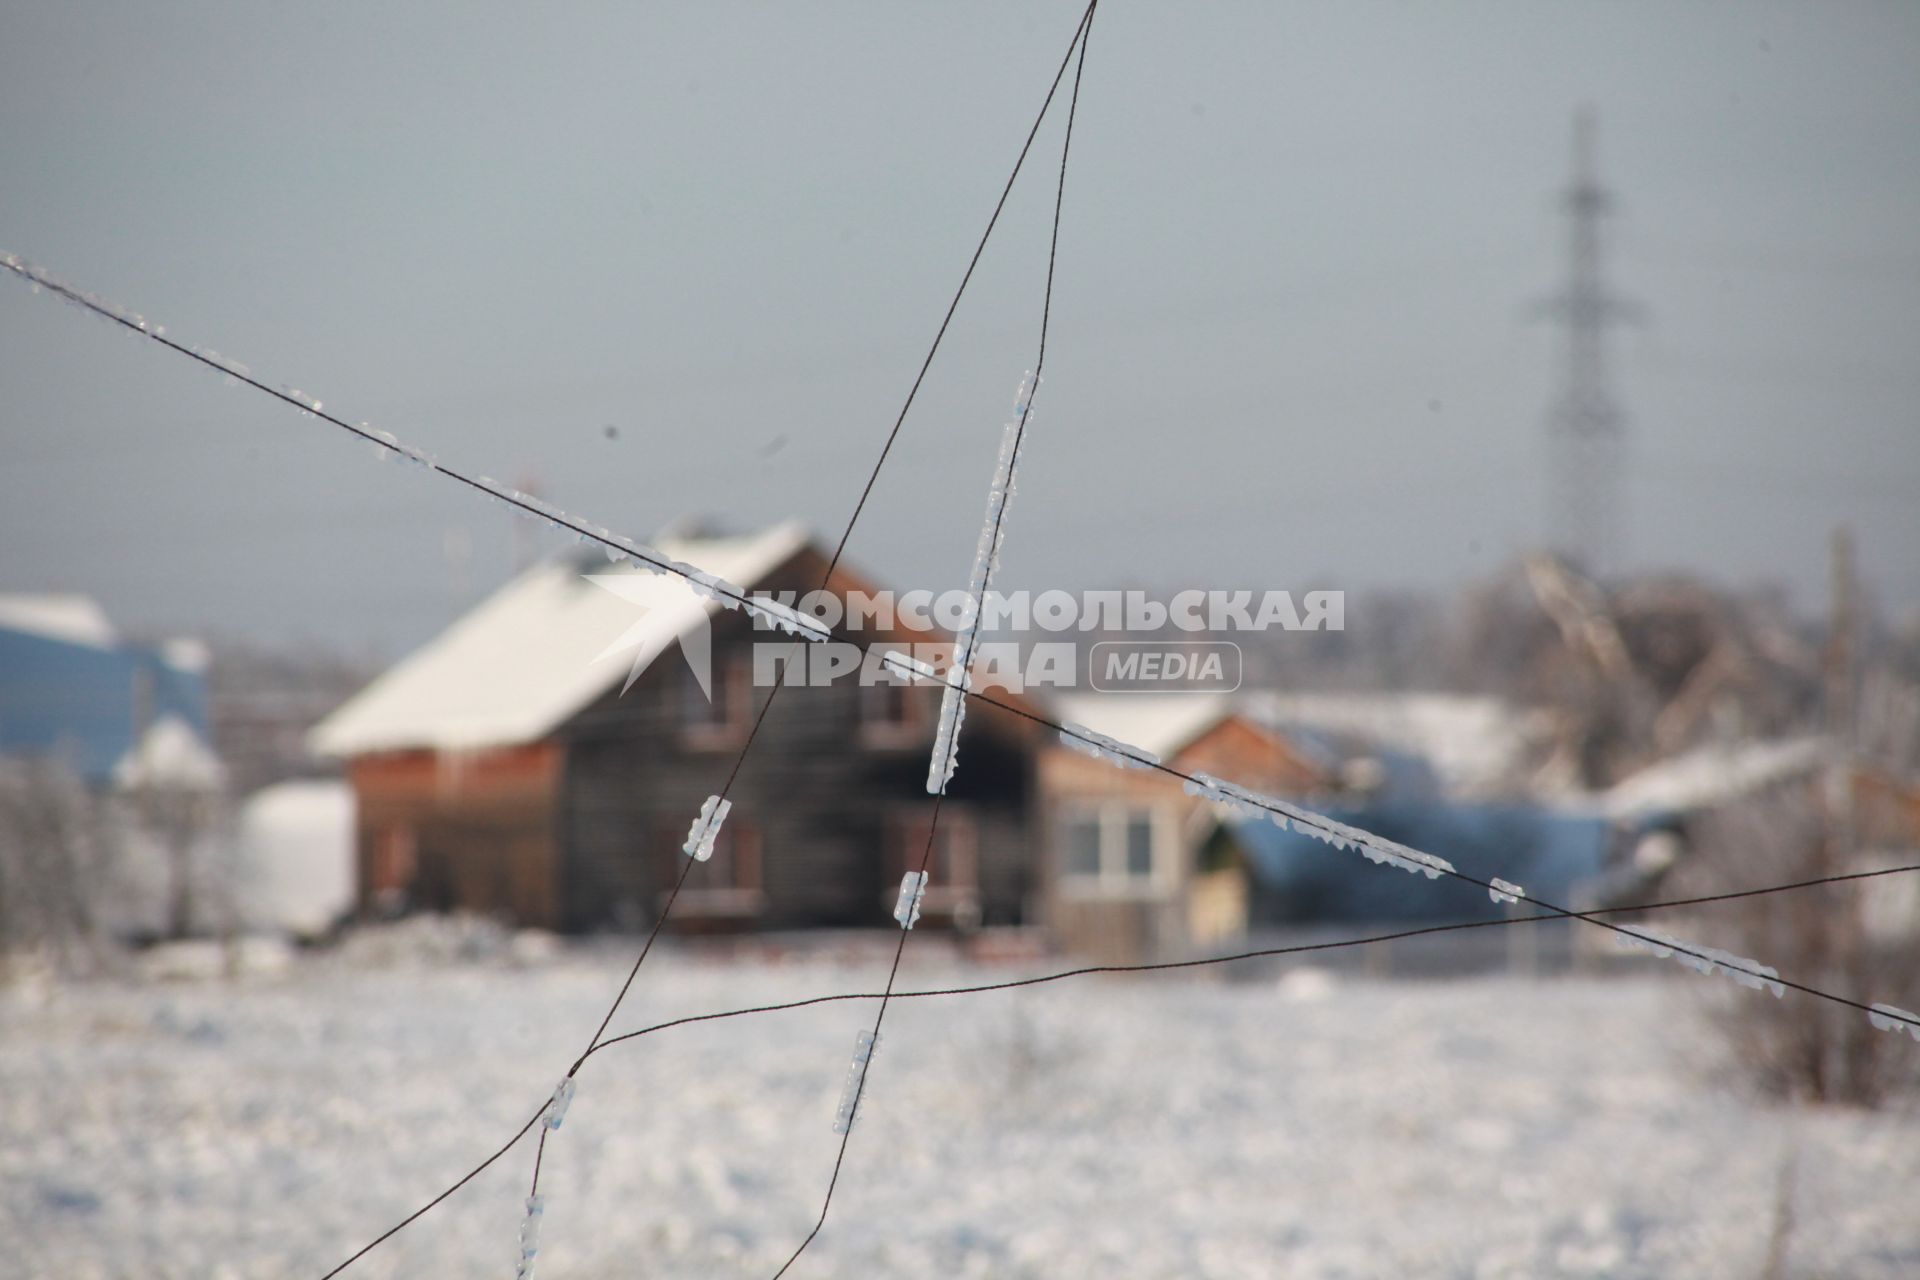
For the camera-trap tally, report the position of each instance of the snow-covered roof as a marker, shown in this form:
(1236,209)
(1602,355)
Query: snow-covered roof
(170,756)
(1713,774)
(1162,723)
(185,653)
(540,649)
(73,618)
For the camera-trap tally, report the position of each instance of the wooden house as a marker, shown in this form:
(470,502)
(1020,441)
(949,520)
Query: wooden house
(508,768)
(543,758)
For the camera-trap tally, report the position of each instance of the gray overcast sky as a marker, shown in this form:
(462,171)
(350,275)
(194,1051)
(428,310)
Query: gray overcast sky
(1289,335)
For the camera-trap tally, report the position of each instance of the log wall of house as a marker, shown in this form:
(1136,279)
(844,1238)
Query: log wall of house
(459,831)
(827,810)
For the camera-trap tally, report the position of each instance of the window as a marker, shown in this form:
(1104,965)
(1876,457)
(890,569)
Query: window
(726,884)
(1111,849)
(1082,843)
(885,703)
(890,713)
(953,875)
(1140,846)
(722,720)
(393,867)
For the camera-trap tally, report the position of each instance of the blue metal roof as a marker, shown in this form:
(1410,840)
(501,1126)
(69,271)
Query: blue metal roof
(79,703)
(1299,879)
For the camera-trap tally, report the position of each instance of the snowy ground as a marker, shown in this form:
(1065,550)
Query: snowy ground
(1164,1128)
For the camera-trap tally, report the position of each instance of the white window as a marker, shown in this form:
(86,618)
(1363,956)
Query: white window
(1115,848)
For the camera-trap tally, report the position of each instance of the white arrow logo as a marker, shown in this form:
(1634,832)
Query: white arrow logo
(695,634)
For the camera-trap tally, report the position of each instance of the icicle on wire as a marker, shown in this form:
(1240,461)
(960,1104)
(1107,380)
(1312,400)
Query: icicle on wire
(386,445)
(1505,891)
(1101,747)
(863,1045)
(1258,804)
(706,828)
(1319,826)
(907,668)
(556,1111)
(553,1115)
(1886,1017)
(986,559)
(906,908)
(530,1236)
(1702,959)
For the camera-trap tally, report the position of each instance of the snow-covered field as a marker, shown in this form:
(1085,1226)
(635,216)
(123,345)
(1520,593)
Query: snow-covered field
(1168,1128)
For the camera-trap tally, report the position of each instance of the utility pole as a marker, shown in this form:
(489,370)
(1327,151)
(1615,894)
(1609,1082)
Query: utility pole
(1841,707)
(1585,425)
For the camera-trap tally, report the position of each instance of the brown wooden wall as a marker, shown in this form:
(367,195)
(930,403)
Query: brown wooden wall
(828,809)
(460,831)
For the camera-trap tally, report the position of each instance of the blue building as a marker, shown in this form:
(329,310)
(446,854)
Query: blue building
(74,693)
(1559,857)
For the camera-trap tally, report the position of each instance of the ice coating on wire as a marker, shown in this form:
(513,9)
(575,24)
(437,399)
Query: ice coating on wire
(1886,1017)
(529,1237)
(1234,796)
(907,667)
(556,1112)
(986,559)
(906,908)
(1702,959)
(1320,827)
(386,445)
(788,619)
(856,1076)
(727,595)
(953,710)
(706,828)
(1505,891)
(1101,747)
(40,278)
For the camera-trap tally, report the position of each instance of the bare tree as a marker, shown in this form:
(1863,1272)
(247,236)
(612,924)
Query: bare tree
(58,844)
(1830,937)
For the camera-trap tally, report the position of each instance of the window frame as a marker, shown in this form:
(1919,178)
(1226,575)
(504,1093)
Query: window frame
(732,705)
(904,730)
(953,884)
(738,842)
(393,869)
(1114,821)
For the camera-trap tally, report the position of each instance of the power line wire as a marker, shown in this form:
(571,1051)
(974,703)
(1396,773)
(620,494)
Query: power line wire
(1079,38)
(990,550)
(133,323)
(41,279)
(1163,966)
(1324,828)
(592,533)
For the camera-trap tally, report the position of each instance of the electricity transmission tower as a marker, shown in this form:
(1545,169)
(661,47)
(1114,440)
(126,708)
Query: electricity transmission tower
(1586,429)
